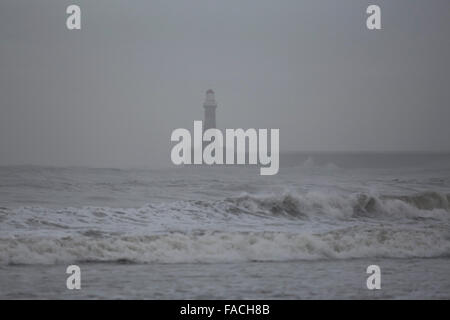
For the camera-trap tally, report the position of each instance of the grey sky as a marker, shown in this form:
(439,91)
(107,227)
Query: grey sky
(111,94)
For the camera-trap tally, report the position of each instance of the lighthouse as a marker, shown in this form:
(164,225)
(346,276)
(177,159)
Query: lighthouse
(210,106)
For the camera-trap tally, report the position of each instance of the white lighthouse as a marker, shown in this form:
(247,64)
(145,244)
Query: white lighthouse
(210,106)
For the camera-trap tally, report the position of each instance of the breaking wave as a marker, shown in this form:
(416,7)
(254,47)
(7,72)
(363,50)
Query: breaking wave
(283,227)
(214,247)
(317,204)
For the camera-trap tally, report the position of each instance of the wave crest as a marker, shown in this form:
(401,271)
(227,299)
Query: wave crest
(317,204)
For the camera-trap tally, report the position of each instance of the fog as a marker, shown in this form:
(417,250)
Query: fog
(110,94)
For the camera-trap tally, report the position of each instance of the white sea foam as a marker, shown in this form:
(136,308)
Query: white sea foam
(331,214)
(284,227)
(211,247)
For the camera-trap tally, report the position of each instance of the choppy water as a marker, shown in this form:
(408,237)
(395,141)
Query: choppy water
(320,220)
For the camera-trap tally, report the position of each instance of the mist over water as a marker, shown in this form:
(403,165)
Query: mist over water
(320,207)
(101,103)
(313,210)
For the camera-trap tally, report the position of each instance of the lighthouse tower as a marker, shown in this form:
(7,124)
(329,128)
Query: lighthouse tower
(210,106)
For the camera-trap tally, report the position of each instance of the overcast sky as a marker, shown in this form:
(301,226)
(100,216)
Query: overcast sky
(111,93)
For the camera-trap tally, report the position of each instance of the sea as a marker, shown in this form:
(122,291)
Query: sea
(226,232)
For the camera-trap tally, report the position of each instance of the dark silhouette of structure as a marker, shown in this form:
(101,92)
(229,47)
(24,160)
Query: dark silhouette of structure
(210,106)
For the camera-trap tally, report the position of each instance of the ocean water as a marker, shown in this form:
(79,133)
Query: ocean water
(228,233)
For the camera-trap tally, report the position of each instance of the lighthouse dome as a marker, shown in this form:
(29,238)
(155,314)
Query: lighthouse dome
(210,101)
